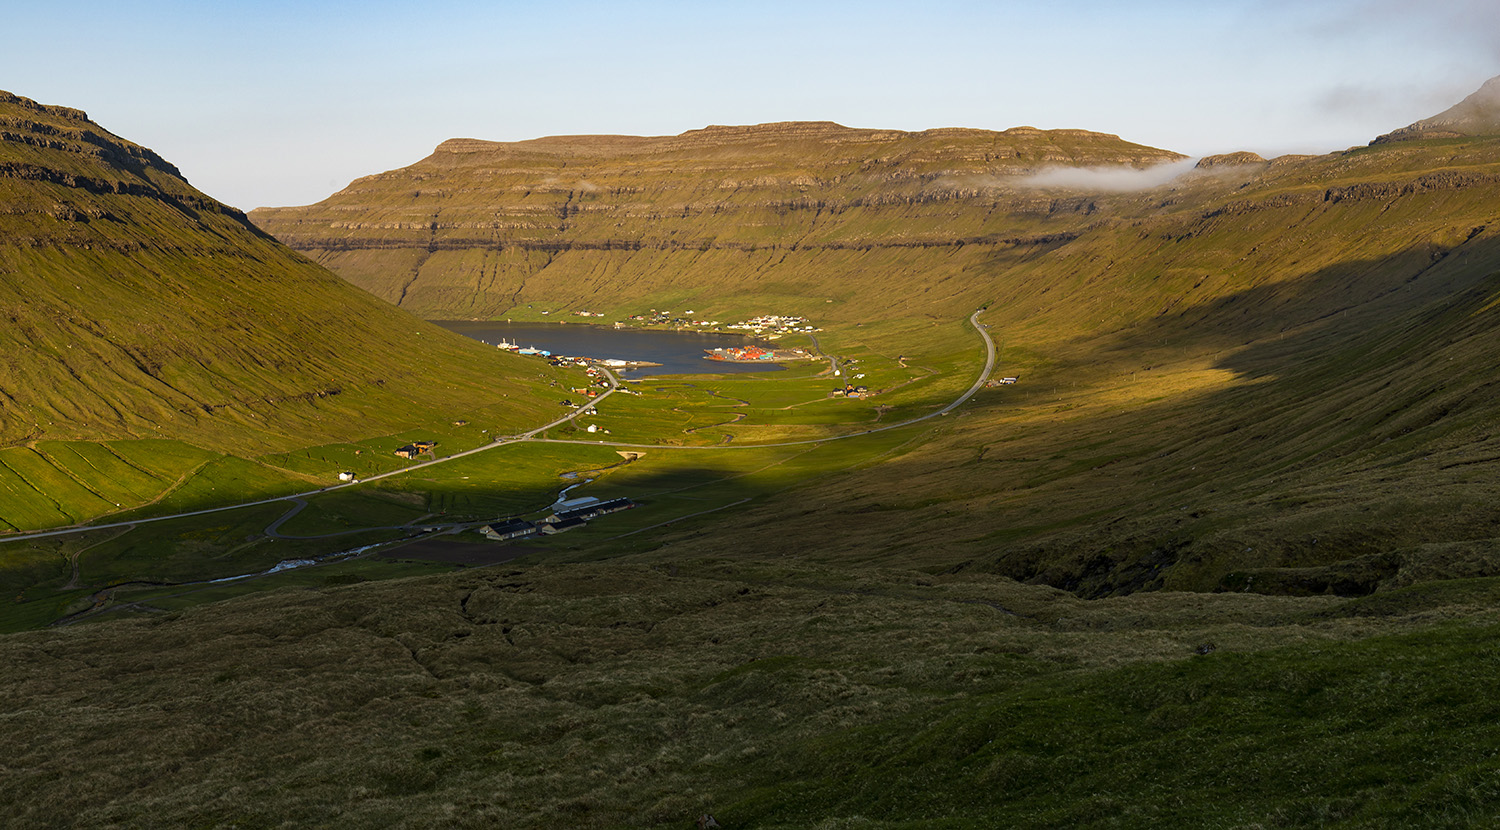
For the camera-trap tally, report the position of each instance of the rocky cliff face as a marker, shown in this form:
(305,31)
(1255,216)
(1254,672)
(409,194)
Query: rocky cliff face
(480,227)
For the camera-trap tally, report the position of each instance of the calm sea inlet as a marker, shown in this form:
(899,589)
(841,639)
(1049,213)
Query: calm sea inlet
(678,352)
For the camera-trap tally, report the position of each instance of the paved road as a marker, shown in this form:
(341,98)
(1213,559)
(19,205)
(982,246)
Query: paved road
(614,386)
(498,442)
(833,361)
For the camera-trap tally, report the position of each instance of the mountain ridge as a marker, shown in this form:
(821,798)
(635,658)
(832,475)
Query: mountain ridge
(476,213)
(1478,114)
(136,306)
(828,131)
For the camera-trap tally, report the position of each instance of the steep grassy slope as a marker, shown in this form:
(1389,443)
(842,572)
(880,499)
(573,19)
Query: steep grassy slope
(136,307)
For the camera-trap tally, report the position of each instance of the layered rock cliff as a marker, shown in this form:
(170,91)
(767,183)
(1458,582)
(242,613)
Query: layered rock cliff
(480,228)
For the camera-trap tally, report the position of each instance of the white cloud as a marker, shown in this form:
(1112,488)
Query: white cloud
(1116,179)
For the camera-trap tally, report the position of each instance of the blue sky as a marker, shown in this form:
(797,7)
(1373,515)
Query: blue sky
(277,103)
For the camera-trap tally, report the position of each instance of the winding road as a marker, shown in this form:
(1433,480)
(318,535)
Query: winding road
(298,499)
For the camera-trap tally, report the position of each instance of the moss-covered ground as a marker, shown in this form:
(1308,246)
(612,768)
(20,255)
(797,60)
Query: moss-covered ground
(770,694)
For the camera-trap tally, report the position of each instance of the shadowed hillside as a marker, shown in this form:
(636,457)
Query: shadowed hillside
(1285,392)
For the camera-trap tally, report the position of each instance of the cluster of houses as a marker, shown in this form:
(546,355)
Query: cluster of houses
(415,449)
(849,390)
(600,387)
(775,324)
(566,516)
(665,318)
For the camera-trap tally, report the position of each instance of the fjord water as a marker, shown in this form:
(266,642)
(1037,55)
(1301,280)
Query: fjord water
(678,352)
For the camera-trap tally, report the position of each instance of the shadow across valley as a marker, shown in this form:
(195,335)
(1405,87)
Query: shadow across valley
(1342,431)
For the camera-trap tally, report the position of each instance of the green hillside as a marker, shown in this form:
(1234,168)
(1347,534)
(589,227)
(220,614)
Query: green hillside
(1262,374)
(136,308)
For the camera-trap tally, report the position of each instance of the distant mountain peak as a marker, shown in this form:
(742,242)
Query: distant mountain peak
(1478,114)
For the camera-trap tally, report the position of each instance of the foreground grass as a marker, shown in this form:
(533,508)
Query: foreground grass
(771,695)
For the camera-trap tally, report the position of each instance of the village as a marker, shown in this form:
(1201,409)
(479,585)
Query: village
(756,354)
(773,325)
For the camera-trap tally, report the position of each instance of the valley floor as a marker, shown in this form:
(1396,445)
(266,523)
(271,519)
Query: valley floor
(316,541)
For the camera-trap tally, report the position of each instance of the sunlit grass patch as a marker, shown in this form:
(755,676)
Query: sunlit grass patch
(225,480)
(104,471)
(26,507)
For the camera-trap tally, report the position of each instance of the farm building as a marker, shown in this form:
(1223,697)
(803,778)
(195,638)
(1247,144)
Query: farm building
(512,529)
(569,504)
(592,511)
(562,525)
(415,449)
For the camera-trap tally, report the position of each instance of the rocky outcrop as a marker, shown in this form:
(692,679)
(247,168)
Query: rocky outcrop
(70,130)
(1422,184)
(1239,159)
(75,153)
